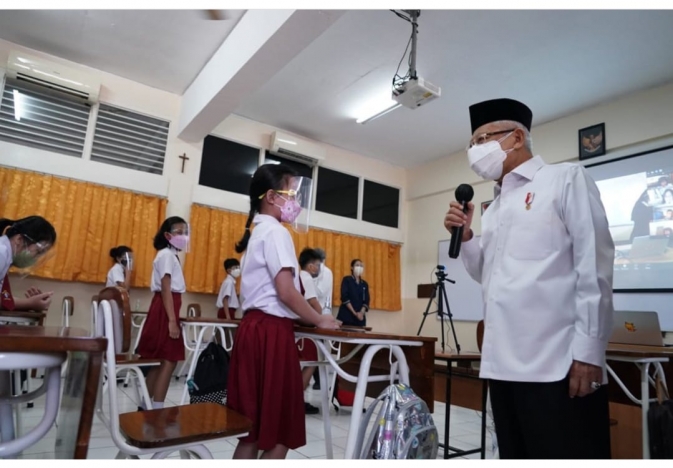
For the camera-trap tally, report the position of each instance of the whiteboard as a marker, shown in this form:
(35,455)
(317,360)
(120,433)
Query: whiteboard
(465,297)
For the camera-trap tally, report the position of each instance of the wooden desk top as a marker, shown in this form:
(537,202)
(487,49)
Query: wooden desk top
(213,320)
(48,340)
(22,314)
(469,357)
(350,332)
(637,351)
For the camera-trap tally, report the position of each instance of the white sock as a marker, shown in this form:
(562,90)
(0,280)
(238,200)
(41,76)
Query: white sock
(157,404)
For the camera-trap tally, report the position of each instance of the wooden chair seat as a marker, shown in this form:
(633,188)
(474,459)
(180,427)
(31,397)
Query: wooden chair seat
(179,425)
(135,360)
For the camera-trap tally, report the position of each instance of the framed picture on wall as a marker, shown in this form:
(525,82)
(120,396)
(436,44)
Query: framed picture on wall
(485,205)
(592,141)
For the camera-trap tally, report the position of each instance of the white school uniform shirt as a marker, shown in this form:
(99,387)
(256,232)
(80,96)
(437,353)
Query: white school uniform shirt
(546,274)
(116,274)
(228,288)
(324,284)
(6,257)
(309,285)
(270,249)
(166,263)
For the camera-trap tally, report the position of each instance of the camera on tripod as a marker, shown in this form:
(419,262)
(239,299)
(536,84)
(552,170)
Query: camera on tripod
(439,293)
(440,272)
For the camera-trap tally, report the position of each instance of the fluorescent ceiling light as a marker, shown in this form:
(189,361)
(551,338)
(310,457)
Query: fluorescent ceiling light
(271,161)
(289,142)
(376,109)
(18,105)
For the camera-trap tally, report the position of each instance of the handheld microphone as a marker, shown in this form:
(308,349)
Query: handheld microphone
(464,194)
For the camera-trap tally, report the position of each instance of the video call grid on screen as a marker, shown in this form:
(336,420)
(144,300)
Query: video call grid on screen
(637,192)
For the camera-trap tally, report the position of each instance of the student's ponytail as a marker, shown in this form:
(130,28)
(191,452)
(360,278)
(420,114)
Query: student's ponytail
(266,177)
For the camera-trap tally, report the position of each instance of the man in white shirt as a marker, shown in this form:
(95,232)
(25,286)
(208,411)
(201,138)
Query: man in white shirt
(545,262)
(324,283)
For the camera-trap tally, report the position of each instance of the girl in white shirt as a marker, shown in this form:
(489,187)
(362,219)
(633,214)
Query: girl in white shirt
(160,338)
(265,381)
(120,273)
(227,300)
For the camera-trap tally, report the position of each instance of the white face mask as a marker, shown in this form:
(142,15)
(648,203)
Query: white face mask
(358,270)
(487,160)
(236,272)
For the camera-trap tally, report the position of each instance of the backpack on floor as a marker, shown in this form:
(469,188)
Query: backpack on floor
(209,384)
(660,424)
(403,429)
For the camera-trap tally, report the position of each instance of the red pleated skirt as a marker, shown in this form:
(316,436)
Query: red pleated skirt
(307,349)
(221,314)
(155,342)
(265,381)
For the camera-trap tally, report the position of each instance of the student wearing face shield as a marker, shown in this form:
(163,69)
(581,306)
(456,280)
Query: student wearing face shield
(24,244)
(120,273)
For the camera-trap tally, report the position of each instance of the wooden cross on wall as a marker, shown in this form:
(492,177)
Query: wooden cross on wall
(184,159)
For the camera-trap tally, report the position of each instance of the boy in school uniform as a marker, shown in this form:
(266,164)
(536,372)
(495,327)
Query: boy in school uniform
(227,300)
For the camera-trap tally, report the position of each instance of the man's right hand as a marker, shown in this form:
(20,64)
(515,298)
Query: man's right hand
(456,218)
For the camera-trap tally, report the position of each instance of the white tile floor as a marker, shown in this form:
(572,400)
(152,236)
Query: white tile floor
(465,430)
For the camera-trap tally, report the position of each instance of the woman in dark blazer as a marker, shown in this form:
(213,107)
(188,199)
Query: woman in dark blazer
(354,297)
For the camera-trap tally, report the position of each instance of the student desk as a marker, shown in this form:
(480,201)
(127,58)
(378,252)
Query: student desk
(449,359)
(79,389)
(374,342)
(642,357)
(198,326)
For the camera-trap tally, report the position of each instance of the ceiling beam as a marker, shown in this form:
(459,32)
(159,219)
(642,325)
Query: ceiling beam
(261,44)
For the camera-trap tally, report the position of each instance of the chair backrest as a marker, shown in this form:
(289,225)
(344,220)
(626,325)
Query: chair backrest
(121,317)
(480,334)
(94,317)
(194,310)
(68,309)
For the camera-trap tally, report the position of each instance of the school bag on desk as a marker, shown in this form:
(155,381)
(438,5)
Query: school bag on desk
(209,383)
(660,423)
(403,429)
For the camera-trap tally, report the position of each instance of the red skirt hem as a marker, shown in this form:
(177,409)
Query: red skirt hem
(155,342)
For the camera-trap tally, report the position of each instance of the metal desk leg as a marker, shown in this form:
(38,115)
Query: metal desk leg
(447,411)
(645,402)
(324,400)
(484,397)
(361,388)
(6,416)
(192,366)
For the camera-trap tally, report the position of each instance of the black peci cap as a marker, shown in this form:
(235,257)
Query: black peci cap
(486,112)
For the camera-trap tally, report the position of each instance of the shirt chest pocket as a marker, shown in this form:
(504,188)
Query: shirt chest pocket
(532,236)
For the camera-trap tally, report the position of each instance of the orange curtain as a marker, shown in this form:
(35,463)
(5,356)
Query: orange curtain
(89,220)
(214,233)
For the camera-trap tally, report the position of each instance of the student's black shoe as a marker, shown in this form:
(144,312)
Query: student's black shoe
(310,409)
(316,386)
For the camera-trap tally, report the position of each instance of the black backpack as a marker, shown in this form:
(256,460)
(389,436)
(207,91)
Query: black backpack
(209,383)
(660,423)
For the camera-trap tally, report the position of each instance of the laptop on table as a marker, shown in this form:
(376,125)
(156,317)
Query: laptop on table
(637,328)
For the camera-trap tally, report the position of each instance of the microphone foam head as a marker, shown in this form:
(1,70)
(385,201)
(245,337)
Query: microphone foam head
(464,193)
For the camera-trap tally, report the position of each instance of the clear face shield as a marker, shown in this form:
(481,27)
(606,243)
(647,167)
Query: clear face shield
(297,209)
(31,256)
(179,237)
(127,260)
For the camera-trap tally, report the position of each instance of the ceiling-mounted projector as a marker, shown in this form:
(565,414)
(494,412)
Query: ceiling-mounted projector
(415,92)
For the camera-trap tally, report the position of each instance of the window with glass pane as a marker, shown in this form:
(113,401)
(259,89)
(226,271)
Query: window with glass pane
(227,165)
(129,139)
(302,169)
(39,117)
(337,193)
(381,204)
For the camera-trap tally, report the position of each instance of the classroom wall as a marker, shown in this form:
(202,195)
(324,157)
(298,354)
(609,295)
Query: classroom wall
(630,120)
(181,189)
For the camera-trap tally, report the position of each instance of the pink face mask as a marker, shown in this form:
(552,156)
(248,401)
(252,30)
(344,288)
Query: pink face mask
(289,211)
(179,241)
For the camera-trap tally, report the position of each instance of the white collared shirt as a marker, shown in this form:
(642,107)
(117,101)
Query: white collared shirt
(166,263)
(324,284)
(228,289)
(6,256)
(270,250)
(308,282)
(115,275)
(546,274)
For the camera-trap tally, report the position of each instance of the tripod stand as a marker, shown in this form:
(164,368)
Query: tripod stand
(439,291)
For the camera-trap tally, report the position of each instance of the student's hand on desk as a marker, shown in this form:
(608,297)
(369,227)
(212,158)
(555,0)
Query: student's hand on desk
(329,322)
(581,376)
(32,291)
(39,301)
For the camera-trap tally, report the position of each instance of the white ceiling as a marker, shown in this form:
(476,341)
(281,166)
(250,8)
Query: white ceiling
(164,49)
(558,62)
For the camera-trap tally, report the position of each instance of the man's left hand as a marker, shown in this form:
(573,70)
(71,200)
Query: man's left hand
(581,376)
